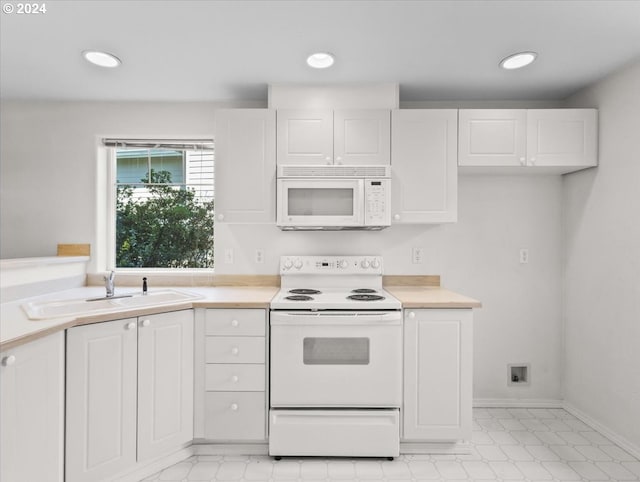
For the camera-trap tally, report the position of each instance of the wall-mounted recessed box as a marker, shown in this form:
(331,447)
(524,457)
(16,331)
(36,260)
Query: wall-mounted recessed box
(518,374)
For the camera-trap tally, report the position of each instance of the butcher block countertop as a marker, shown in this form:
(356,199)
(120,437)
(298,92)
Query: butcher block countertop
(431,297)
(16,328)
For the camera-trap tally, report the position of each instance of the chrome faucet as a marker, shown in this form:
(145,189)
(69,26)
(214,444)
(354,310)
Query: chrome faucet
(109,283)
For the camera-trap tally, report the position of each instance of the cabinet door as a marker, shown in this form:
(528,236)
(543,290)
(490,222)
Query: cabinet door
(245,165)
(32,411)
(362,136)
(305,137)
(438,374)
(101,400)
(562,137)
(165,382)
(492,137)
(424,166)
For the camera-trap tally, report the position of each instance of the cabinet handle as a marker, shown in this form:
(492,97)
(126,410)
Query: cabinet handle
(412,314)
(339,160)
(130,326)
(234,323)
(8,360)
(220,217)
(328,159)
(523,161)
(234,378)
(235,350)
(533,161)
(234,407)
(396,217)
(145,323)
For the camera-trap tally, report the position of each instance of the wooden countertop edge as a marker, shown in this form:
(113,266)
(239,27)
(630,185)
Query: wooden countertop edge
(443,305)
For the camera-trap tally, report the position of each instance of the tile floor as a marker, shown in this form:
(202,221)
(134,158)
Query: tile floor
(520,444)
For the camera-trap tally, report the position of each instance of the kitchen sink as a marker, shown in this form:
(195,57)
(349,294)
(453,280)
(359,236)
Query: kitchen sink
(42,310)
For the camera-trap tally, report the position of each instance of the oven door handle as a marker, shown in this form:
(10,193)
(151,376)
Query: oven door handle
(336,319)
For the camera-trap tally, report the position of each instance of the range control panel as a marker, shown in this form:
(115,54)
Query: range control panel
(331,265)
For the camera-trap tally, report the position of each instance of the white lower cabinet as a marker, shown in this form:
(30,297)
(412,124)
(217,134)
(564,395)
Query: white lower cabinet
(129,393)
(438,358)
(235,374)
(32,411)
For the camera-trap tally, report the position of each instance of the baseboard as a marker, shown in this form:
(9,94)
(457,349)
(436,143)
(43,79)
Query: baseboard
(440,448)
(517,403)
(604,430)
(144,470)
(208,448)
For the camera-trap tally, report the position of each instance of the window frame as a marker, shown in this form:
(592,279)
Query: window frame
(111,198)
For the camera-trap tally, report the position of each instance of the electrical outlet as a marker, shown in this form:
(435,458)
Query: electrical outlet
(259,256)
(524,256)
(417,255)
(228,256)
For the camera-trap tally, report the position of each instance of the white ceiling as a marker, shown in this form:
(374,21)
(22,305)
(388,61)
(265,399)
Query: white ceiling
(230,50)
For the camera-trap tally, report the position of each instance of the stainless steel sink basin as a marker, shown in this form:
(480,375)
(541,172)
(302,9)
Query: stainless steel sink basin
(41,310)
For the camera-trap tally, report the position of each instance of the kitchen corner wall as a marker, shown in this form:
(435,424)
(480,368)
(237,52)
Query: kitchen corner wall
(51,189)
(602,265)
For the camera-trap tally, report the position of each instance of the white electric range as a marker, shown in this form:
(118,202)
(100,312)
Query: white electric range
(335,359)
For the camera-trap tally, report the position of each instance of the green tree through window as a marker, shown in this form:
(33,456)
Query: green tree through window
(163,225)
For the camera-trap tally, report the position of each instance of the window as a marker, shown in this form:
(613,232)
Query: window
(162,203)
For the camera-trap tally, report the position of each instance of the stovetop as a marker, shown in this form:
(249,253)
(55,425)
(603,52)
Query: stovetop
(332,283)
(335,299)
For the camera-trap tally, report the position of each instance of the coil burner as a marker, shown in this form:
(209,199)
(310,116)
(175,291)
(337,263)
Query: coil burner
(298,298)
(304,291)
(364,297)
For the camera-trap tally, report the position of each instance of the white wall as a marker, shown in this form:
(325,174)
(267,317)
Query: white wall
(51,194)
(602,264)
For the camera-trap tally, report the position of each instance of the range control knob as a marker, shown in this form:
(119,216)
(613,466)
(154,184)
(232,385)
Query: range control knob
(365,263)
(288,264)
(343,263)
(375,263)
(298,264)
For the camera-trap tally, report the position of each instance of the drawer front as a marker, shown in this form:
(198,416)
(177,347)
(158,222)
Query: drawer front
(235,378)
(235,322)
(233,349)
(235,416)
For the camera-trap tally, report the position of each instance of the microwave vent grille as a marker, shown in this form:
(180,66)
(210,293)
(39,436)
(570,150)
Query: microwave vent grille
(334,171)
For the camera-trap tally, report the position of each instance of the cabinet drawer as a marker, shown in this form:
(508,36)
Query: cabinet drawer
(242,322)
(234,349)
(235,378)
(235,416)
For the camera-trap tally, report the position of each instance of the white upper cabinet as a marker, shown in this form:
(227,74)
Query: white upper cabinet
(353,136)
(424,166)
(492,137)
(542,140)
(562,137)
(245,165)
(32,411)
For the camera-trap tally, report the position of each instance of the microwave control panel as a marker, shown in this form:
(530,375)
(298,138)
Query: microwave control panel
(377,201)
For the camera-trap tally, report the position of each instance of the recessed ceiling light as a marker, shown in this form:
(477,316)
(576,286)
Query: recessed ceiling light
(320,60)
(103,59)
(516,61)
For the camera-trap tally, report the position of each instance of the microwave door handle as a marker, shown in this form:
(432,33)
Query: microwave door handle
(360,203)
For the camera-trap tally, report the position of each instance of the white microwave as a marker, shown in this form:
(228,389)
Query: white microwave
(319,197)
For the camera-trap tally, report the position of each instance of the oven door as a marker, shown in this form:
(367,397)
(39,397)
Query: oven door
(320,203)
(336,359)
